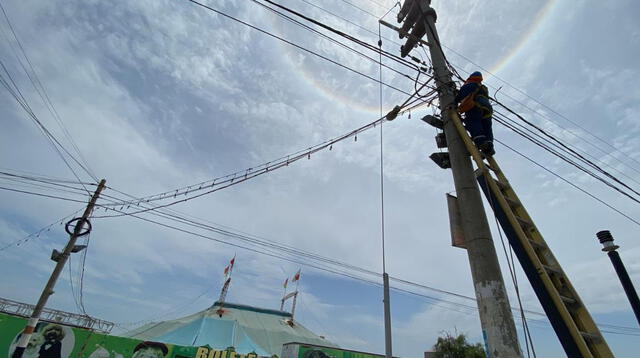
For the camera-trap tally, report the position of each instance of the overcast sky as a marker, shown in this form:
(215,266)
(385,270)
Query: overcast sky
(162,94)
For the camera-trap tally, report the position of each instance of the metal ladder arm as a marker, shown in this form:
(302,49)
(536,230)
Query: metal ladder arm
(587,339)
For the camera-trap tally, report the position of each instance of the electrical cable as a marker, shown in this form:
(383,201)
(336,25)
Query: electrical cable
(581,156)
(334,271)
(567,148)
(35,176)
(453,69)
(227,181)
(73,291)
(19,97)
(512,271)
(554,112)
(362,43)
(361,9)
(348,21)
(292,44)
(36,234)
(566,159)
(42,195)
(380,84)
(300,24)
(384,262)
(570,183)
(375,274)
(41,90)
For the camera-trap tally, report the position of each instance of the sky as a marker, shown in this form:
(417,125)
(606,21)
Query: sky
(159,95)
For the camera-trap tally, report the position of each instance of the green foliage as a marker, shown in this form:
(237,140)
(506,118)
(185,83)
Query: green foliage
(457,347)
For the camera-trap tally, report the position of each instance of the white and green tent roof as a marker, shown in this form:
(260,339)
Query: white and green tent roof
(246,328)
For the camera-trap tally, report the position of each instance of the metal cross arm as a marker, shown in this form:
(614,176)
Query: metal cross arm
(413,13)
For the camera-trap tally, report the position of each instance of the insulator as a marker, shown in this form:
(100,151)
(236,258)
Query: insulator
(604,236)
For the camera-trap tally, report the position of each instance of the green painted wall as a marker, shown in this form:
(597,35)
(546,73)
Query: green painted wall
(64,342)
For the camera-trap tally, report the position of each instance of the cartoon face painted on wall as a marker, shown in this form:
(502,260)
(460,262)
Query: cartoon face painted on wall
(52,347)
(49,340)
(150,350)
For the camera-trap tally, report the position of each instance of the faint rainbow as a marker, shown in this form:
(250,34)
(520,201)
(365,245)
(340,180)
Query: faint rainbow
(525,37)
(332,93)
(313,79)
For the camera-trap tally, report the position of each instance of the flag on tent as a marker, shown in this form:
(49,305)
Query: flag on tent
(286,282)
(296,277)
(227,270)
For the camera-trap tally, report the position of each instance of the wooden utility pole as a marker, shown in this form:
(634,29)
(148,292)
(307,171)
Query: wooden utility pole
(61,260)
(498,327)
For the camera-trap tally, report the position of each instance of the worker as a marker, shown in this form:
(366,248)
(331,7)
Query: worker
(473,98)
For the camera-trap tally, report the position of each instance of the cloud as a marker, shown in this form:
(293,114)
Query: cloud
(162,94)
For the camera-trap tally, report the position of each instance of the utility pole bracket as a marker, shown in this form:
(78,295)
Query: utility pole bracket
(55,255)
(78,248)
(441,159)
(433,121)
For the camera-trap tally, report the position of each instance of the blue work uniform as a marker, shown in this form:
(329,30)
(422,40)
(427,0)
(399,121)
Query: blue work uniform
(478,119)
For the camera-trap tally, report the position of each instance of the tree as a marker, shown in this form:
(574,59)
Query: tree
(457,347)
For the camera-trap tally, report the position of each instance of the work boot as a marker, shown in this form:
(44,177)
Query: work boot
(487,148)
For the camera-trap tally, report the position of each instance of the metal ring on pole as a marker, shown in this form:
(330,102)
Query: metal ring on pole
(81,221)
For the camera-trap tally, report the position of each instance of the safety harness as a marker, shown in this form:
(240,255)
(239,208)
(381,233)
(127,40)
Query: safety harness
(469,101)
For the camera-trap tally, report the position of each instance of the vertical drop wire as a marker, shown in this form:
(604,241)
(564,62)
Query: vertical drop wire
(384,268)
(385,277)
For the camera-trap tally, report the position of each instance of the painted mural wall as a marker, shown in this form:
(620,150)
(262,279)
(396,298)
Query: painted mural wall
(51,340)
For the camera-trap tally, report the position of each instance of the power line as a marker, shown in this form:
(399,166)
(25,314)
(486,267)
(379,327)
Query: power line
(19,97)
(43,195)
(570,183)
(583,153)
(571,152)
(565,158)
(362,43)
(319,266)
(36,234)
(554,112)
(295,45)
(567,148)
(524,105)
(278,247)
(208,187)
(359,8)
(42,91)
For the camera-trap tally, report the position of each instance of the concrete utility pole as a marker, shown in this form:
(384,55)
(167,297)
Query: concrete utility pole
(61,260)
(606,239)
(498,327)
(388,350)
